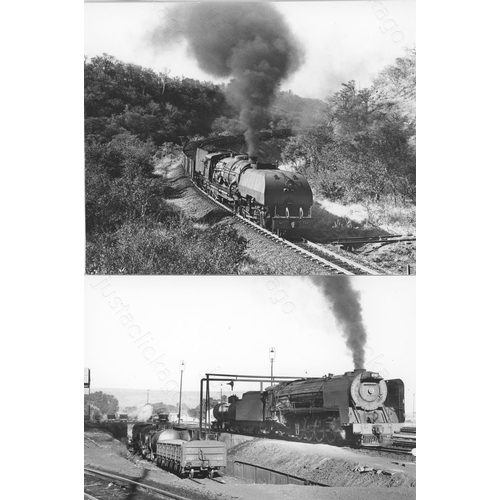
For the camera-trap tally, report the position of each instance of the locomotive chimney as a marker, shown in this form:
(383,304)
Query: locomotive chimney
(253,161)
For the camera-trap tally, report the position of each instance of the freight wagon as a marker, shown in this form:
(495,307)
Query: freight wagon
(192,457)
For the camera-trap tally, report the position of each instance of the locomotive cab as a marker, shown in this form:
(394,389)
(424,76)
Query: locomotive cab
(209,162)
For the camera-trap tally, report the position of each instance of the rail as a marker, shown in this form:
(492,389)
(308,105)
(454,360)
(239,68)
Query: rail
(124,479)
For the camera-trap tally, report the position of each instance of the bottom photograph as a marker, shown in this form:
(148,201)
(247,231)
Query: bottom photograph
(250,387)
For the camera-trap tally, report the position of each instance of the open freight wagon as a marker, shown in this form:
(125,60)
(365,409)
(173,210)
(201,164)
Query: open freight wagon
(192,457)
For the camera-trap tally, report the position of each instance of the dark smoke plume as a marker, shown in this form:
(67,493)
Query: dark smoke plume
(345,305)
(249,42)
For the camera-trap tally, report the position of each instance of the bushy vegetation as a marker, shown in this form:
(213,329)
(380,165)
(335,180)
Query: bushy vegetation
(130,227)
(366,151)
(101,402)
(132,118)
(123,97)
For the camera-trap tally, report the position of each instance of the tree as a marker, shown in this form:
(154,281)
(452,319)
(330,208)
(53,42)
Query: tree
(367,150)
(195,412)
(106,403)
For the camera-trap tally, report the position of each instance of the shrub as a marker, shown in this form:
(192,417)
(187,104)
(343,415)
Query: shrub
(172,247)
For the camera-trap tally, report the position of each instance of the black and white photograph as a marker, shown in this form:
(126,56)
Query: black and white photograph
(250,138)
(250,387)
(222,235)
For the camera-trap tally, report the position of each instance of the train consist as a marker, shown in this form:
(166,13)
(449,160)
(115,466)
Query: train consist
(174,449)
(358,408)
(275,199)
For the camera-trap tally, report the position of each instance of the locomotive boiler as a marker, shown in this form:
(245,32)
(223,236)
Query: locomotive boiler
(358,407)
(275,199)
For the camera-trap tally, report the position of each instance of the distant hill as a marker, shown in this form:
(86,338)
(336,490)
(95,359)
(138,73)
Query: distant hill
(138,397)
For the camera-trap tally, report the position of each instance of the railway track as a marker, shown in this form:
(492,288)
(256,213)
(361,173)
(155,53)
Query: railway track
(356,267)
(362,240)
(325,257)
(133,482)
(328,259)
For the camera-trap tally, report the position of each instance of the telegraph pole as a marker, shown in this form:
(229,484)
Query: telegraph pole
(182,366)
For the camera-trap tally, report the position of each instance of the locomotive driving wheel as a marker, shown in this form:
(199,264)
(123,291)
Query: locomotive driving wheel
(330,437)
(308,429)
(301,431)
(319,431)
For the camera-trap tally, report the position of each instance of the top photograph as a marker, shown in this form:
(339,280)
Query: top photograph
(250,138)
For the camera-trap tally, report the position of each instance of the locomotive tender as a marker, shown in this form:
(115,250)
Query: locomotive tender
(275,199)
(358,408)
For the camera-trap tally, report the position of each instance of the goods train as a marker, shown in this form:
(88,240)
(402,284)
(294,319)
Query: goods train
(358,408)
(175,449)
(275,199)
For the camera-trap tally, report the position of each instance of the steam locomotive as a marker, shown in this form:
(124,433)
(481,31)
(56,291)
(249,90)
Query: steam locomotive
(175,449)
(358,408)
(275,199)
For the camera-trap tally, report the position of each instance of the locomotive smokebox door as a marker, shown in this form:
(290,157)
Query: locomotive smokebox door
(368,390)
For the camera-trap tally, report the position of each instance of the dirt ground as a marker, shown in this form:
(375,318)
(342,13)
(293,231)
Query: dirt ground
(319,462)
(327,464)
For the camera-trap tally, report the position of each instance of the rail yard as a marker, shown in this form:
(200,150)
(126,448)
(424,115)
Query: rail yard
(338,436)
(257,468)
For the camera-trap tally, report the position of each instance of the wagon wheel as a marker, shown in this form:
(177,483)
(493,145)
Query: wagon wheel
(308,430)
(319,431)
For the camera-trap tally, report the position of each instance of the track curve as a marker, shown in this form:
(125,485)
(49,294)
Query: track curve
(326,258)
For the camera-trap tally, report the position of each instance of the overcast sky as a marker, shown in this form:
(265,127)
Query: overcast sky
(227,324)
(343,40)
